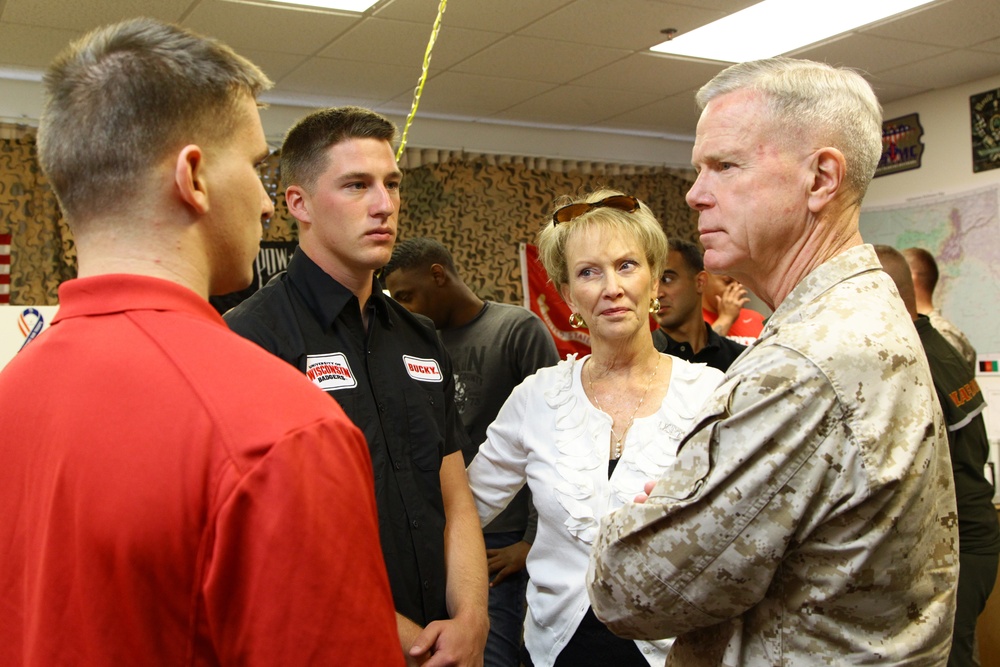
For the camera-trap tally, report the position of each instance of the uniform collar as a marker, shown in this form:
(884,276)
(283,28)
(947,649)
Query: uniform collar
(326,297)
(852,262)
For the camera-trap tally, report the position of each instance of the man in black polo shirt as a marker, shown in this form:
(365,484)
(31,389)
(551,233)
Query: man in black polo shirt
(683,331)
(963,404)
(388,370)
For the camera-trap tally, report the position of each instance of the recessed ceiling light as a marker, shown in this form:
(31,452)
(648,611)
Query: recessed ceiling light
(774,27)
(358,6)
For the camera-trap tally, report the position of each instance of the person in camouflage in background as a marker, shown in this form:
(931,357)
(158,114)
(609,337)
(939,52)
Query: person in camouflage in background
(810,519)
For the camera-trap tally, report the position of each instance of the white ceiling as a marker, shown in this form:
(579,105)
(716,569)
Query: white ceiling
(546,63)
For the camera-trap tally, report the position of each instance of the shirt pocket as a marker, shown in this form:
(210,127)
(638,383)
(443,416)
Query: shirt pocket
(425,413)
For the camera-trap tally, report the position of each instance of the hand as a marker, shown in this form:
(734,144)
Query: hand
(457,642)
(728,306)
(647,489)
(506,561)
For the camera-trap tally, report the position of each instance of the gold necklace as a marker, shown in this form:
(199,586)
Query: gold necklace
(617,451)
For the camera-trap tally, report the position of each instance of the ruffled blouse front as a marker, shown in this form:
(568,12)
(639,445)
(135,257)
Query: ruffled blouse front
(549,435)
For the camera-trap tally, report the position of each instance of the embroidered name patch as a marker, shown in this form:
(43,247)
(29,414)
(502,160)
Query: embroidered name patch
(330,372)
(425,370)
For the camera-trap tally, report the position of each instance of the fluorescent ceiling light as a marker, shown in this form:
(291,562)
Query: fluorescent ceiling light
(774,27)
(358,6)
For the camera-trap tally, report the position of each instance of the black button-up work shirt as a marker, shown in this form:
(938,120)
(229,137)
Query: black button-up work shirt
(395,382)
(718,352)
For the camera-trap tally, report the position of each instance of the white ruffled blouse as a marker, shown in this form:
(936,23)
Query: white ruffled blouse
(549,435)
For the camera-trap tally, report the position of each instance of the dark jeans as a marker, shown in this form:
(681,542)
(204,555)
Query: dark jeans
(976,577)
(506,608)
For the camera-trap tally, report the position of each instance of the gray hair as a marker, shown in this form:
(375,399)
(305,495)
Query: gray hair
(835,105)
(124,96)
(640,225)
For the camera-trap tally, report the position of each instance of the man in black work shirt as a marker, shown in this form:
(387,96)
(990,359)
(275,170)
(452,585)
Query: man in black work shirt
(386,368)
(683,331)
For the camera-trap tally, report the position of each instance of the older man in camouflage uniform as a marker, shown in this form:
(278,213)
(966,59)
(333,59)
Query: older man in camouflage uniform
(810,519)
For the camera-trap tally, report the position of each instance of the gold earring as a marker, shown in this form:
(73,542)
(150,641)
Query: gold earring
(576,320)
(654,305)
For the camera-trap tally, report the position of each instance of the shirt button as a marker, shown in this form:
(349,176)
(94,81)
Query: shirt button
(647,650)
(684,348)
(397,465)
(427,585)
(415,523)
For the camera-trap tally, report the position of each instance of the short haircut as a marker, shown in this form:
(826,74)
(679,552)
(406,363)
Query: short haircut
(304,152)
(924,268)
(834,105)
(420,253)
(125,96)
(640,225)
(898,269)
(691,254)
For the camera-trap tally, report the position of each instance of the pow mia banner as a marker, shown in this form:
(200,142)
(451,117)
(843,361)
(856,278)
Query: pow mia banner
(984,109)
(902,149)
(271,260)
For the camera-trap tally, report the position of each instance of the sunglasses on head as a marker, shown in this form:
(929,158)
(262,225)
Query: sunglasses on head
(626,203)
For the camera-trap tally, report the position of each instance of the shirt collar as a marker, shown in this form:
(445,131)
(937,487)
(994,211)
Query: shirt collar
(120,292)
(326,297)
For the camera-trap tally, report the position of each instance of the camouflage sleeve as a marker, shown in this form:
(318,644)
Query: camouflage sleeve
(705,546)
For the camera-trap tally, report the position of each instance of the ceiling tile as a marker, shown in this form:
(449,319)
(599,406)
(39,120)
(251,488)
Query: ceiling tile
(85,16)
(868,53)
(368,84)
(473,96)
(28,46)
(990,46)
(574,106)
(632,25)
(500,15)
(378,40)
(275,65)
(658,74)
(536,59)
(954,23)
(949,69)
(282,30)
(676,115)
(886,91)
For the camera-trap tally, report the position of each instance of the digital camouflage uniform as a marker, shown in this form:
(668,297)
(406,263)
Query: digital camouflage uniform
(811,517)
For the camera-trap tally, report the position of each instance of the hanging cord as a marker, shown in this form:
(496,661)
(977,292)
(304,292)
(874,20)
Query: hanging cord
(423,78)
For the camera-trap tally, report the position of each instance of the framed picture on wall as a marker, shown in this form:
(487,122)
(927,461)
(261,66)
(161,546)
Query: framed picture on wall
(984,109)
(902,149)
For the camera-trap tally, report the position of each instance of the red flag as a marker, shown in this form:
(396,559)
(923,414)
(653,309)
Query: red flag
(542,298)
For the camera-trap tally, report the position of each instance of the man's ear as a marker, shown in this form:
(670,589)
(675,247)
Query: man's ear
(189,178)
(828,169)
(700,279)
(439,275)
(296,200)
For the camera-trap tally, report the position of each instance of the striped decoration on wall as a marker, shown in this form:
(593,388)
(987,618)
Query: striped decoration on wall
(4,268)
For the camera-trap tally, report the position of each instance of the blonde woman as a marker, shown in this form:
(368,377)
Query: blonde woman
(586,434)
